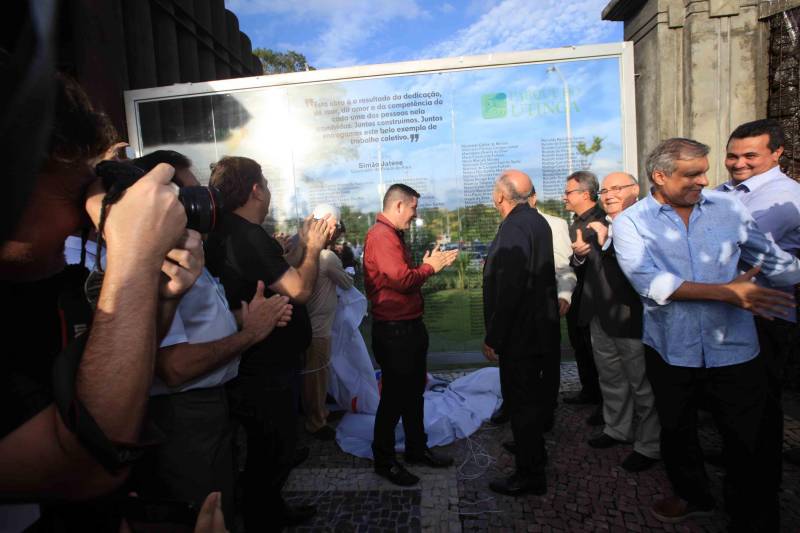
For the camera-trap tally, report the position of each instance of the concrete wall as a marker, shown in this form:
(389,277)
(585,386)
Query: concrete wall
(701,70)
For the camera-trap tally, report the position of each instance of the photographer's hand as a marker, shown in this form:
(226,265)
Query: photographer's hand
(182,266)
(146,223)
(117,366)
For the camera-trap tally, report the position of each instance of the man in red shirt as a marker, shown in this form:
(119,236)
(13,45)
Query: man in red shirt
(399,337)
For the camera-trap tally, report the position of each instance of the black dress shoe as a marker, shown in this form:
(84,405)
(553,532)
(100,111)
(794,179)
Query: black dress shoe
(500,417)
(596,418)
(518,484)
(636,462)
(429,458)
(582,398)
(397,474)
(604,441)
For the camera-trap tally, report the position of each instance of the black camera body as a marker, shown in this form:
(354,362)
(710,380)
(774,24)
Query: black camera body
(203,205)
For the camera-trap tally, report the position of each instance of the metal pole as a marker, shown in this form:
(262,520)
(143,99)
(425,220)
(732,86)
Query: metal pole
(566,113)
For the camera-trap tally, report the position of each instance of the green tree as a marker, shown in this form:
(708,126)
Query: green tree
(587,153)
(280,62)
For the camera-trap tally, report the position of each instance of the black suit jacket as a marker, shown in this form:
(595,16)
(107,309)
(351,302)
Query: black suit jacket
(582,307)
(612,298)
(520,309)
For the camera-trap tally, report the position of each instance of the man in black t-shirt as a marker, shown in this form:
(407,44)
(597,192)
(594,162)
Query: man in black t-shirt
(241,253)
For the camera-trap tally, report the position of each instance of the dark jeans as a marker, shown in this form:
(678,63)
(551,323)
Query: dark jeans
(737,398)
(264,404)
(401,349)
(777,339)
(581,340)
(196,457)
(528,402)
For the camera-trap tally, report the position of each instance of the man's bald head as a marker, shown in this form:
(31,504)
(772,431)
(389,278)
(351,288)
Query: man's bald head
(515,185)
(511,189)
(619,178)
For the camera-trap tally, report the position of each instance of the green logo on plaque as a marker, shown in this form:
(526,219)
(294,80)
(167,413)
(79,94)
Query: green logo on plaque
(494,105)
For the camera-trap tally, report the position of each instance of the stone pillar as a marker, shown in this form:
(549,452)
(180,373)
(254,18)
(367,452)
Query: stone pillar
(701,70)
(784,79)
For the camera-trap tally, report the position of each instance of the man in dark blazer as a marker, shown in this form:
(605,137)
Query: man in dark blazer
(522,325)
(615,312)
(580,198)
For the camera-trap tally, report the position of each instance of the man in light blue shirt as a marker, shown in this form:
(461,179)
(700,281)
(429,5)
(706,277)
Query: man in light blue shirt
(773,200)
(680,247)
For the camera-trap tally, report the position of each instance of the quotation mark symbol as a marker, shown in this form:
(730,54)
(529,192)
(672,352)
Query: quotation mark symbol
(414,137)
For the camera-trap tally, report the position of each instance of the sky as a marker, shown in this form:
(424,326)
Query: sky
(342,33)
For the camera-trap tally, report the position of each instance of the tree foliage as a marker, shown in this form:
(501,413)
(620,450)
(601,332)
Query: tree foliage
(275,62)
(587,153)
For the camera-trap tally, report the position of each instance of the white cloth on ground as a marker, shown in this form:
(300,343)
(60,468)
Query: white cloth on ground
(454,412)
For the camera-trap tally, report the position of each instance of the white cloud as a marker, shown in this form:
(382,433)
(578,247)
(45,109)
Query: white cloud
(348,24)
(515,25)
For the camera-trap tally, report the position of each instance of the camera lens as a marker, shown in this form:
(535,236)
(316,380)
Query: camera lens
(203,207)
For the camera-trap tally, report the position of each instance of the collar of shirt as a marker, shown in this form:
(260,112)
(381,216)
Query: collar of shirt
(654,205)
(589,212)
(755,182)
(383,220)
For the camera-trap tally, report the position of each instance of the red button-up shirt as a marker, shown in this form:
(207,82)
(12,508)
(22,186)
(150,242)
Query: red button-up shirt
(393,285)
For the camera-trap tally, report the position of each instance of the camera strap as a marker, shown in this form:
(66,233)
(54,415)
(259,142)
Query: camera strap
(113,456)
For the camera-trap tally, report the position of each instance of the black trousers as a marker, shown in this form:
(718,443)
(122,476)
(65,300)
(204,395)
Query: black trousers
(401,349)
(551,376)
(196,457)
(737,397)
(528,402)
(581,340)
(264,403)
(777,339)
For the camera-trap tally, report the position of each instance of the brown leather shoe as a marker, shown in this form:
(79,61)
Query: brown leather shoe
(674,510)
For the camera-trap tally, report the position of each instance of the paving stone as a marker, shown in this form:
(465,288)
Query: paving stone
(588,491)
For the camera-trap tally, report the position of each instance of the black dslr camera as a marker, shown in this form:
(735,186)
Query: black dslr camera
(203,205)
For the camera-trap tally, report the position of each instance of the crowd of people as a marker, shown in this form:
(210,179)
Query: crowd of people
(684,302)
(120,409)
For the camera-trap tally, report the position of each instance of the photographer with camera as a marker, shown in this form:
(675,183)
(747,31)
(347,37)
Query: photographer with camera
(72,415)
(199,354)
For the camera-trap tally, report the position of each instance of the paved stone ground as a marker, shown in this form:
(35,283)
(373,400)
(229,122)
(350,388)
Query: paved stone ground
(588,491)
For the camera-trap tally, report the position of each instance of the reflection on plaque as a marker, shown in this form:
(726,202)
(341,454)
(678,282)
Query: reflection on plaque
(447,134)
